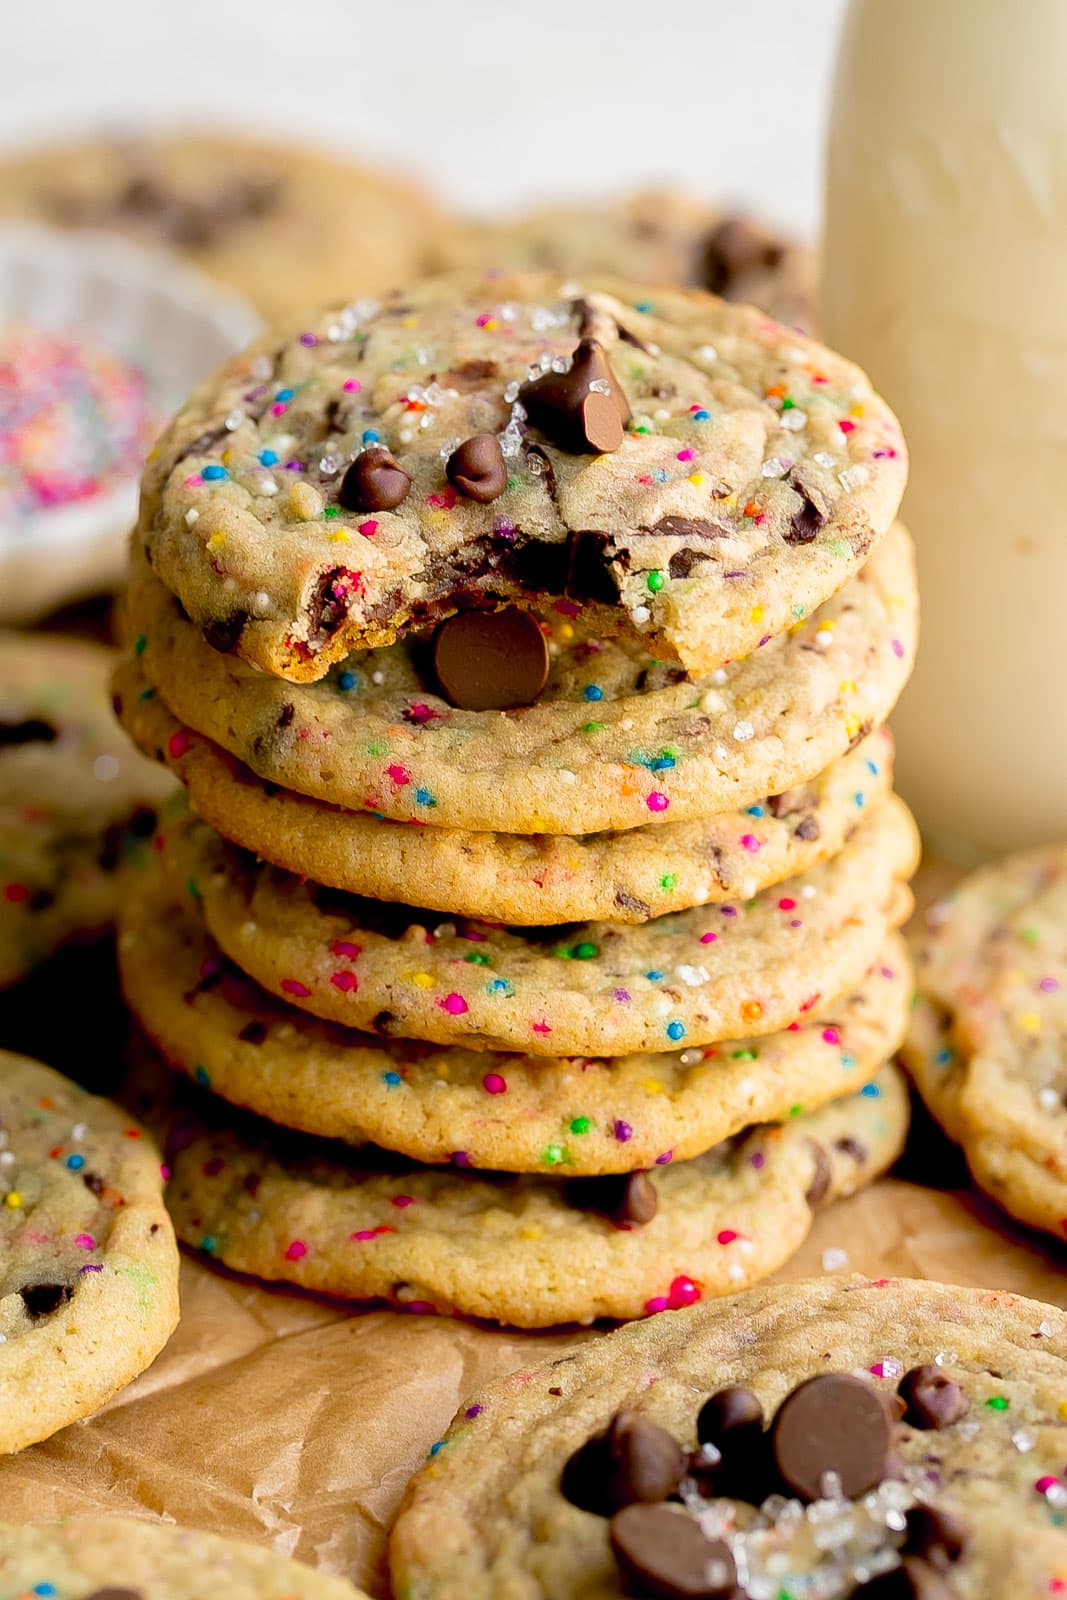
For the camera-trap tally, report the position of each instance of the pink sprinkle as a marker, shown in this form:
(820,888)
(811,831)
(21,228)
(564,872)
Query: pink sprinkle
(353,386)
(1043,1485)
(279,408)
(759,1160)
(658,1303)
(85,1241)
(485,319)
(541,1027)
(898,649)
(454,1004)
(296,1251)
(369,528)
(179,742)
(750,842)
(344,947)
(364,1234)
(1048,985)
(493,1083)
(345,981)
(831,1036)
(683,1292)
(686,455)
(846,426)
(193,482)
(402,1201)
(786,904)
(400,775)
(708,938)
(726,1236)
(294,986)
(657,801)
(442,500)
(309,340)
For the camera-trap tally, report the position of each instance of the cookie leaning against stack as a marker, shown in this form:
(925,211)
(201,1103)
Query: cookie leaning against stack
(644,918)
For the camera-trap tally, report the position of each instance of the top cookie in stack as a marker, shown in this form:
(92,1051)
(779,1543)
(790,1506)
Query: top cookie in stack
(601,588)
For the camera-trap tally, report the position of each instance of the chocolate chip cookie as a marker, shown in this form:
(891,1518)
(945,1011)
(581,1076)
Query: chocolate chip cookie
(668,464)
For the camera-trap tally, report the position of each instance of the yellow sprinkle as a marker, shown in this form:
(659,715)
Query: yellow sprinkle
(227,457)
(652,1086)
(697,478)
(857,410)
(339,536)
(411,322)
(1063,1409)
(422,980)
(847,686)
(437,519)
(757,614)
(153,453)
(827,627)
(729,502)
(490,325)
(565,631)
(216,542)
(13,1199)
(853,725)
(1029,1021)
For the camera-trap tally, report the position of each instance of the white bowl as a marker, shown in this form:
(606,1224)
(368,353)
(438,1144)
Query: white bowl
(154,311)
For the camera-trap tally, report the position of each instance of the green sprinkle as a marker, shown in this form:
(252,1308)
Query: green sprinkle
(1030,935)
(553,1155)
(998,1403)
(585,951)
(839,548)
(794,1111)
(744,1055)
(789,405)
(477,959)
(139,644)
(378,748)
(332,511)
(191,886)
(668,882)
(656,580)
(798,612)
(147,694)
(581,1125)
(594,727)
(514,483)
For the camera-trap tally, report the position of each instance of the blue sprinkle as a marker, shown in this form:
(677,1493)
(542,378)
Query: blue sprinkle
(660,475)
(347,680)
(675,1031)
(701,416)
(75,1163)
(268,458)
(438,1446)
(211,474)
(661,764)
(202,1078)
(392,1079)
(423,797)
(871,1091)
(943,1057)
(643,305)
(370,436)
(593,691)
(209,1243)
(44,1589)
(872,768)
(755,811)
(654,976)
(500,986)
(285,395)
(848,1061)
(860,799)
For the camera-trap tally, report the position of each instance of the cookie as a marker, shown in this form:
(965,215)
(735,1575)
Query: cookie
(75,797)
(615,741)
(987,1043)
(124,1558)
(511,1113)
(666,462)
(604,988)
(653,236)
(929,1419)
(528,1251)
(287,226)
(88,1262)
(551,878)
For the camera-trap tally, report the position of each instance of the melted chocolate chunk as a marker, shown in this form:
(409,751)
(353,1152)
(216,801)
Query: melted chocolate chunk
(821,1176)
(833,1423)
(682,562)
(327,605)
(477,468)
(570,411)
(933,1399)
(664,1553)
(589,575)
(42,1299)
(629,902)
(938,1536)
(223,633)
(734,248)
(375,481)
(808,829)
(624,1197)
(253,1033)
(31,730)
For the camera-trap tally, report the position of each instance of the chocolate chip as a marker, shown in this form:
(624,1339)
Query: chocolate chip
(833,1423)
(477,468)
(820,1178)
(933,1399)
(938,1536)
(223,633)
(468,375)
(808,829)
(632,1460)
(734,248)
(327,605)
(42,1299)
(94,1183)
(490,660)
(570,411)
(629,902)
(624,1197)
(589,573)
(115,1594)
(665,1553)
(852,1147)
(727,1416)
(253,1033)
(804,524)
(912,1580)
(32,730)
(682,562)
(374,482)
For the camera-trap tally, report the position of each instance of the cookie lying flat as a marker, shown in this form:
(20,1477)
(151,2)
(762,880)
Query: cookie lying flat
(667,461)
(599,988)
(623,877)
(509,1113)
(88,1263)
(616,740)
(74,797)
(962,1499)
(988,1046)
(654,236)
(105,1558)
(522,1250)
(236,207)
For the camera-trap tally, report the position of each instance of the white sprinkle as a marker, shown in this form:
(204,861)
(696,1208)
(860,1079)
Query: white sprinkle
(191,516)
(693,976)
(1048,1098)
(79,1131)
(626,724)
(105,768)
(735,1272)
(445,930)
(775,467)
(640,613)
(808,892)
(566,776)
(707,353)
(853,477)
(1024,1442)
(268,487)
(720,753)
(406,436)
(7,1158)
(946,1358)
(823,458)
(261,367)
(691,1058)
(743,730)
(663,1006)
(661,414)
(331,464)
(718,677)
(834,1260)
(794,419)
(824,638)
(234,420)
(1056,1496)
(261,602)
(377,677)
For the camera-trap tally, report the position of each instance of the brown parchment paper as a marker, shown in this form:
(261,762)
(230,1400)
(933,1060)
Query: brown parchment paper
(295,1423)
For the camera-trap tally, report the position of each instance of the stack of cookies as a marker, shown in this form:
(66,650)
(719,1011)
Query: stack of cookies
(524,649)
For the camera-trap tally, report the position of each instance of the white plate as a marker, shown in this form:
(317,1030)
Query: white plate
(172,322)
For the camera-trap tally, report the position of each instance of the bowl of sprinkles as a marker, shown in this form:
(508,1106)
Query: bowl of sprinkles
(99,340)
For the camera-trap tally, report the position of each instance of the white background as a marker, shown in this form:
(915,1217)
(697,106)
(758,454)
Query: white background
(495,102)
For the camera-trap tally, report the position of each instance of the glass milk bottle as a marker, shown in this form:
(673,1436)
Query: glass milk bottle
(946,278)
